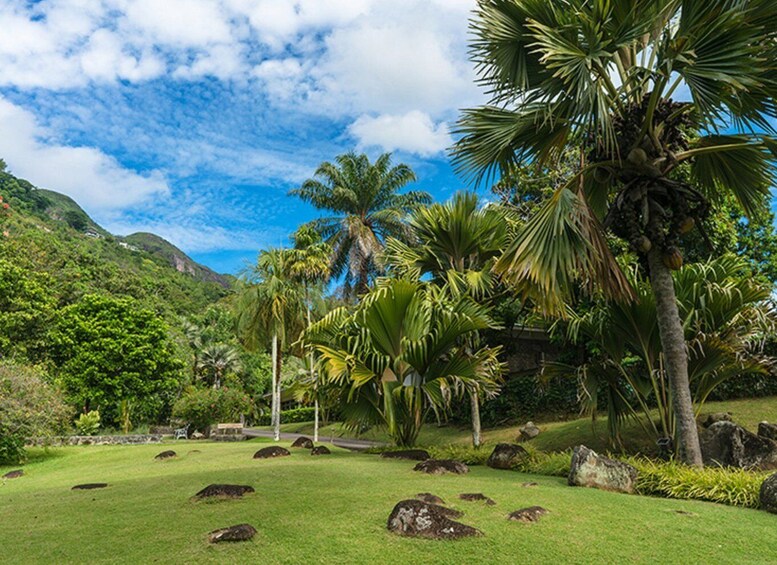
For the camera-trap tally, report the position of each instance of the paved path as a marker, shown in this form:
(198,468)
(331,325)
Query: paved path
(353,444)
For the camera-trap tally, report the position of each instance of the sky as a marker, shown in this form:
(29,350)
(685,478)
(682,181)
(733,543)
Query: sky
(192,119)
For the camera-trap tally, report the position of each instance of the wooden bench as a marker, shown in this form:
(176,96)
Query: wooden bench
(227,432)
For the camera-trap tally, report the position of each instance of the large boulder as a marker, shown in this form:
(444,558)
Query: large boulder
(768,494)
(410,454)
(415,518)
(270,452)
(303,442)
(240,532)
(320,450)
(225,491)
(588,469)
(528,431)
(441,466)
(726,444)
(505,455)
(767,430)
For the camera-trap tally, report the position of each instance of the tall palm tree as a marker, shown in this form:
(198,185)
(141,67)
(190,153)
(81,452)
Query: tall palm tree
(457,243)
(399,355)
(272,305)
(310,266)
(367,208)
(602,74)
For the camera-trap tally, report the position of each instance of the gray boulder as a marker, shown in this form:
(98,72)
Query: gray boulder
(414,518)
(768,494)
(588,469)
(505,455)
(726,444)
(528,431)
(767,430)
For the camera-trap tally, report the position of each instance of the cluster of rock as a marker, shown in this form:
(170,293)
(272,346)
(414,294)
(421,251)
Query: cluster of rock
(726,444)
(441,466)
(301,443)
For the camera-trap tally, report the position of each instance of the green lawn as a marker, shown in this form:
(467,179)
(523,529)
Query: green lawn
(558,436)
(333,510)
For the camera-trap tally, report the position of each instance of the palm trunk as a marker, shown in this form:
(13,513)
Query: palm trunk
(475,404)
(276,409)
(314,376)
(676,360)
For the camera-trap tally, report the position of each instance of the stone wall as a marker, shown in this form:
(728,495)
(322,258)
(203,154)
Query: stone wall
(60,441)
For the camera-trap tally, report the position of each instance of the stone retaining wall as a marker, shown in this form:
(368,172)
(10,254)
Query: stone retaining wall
(95,440)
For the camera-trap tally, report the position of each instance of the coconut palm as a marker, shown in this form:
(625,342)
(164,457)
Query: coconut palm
(399,355)
(272,307)
(457,243)
(367,208)
(602,74)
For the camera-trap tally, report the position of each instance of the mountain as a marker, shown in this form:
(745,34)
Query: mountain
(173,256)
(49,233)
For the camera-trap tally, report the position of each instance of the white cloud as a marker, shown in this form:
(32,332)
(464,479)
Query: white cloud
(94,179)
(182,23)
(414,132)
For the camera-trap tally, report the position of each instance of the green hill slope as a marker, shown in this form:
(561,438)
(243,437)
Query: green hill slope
(49,234)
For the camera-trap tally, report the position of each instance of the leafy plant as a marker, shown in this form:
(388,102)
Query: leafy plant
(399,355)
(88,424)
(29,407)
(292,416)
(202,408)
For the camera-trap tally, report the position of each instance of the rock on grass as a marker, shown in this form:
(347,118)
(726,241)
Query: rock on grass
(166,454)
(588,469)
(303,442)
(414,518)
(270,452)
(527,515)
(476,497)
(227,491)
(240,532)
(441,466)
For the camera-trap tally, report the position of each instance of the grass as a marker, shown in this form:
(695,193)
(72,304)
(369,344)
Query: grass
(333,510)
(559,436)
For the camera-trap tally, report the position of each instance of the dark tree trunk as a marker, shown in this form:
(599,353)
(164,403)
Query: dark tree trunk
(675,359)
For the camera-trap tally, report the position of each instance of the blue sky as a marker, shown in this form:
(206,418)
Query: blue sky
(193,118)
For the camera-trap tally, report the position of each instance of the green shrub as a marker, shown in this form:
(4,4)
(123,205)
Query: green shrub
(737,487)
(29,407)
(293,416)
(464,453)
(88,424)
(201,408)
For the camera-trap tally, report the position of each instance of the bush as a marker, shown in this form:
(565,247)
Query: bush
(88,424)
(201,408)
(737,487)
(293,416)
(29,407)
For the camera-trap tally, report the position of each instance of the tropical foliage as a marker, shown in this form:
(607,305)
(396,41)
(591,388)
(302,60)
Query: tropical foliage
(367,208)
(399,355)
(602,75)
(726,314)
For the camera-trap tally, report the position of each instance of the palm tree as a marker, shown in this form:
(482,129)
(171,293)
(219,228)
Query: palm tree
(399,355)
(602,75)
(727,315)
(272,305)
(310,266)
(216,360)
(367,208)
(457,243)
